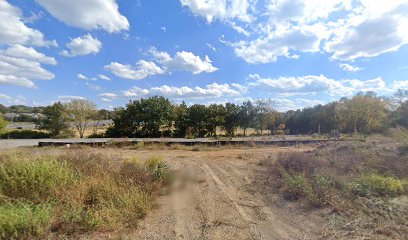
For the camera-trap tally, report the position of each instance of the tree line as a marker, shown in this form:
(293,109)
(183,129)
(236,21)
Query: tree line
(157,116)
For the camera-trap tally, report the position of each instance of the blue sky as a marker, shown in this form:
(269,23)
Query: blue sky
(296,52)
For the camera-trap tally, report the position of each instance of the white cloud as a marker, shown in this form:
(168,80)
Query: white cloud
(349,68)
(89,15)
(211,47)
(220,9)
(82,77)
(94,87)
(12,100)
(142,70)
(210,91)
(183,61)
(82,46)
(346,29)
(20,65)
(67,98)
(103,77)
(302,84)
(268,49)
(14,31)
(135,92)
(376,85)
(13,80)
(108,95)
(162,63)
(378,27)
(400,85)
(307,85)
(163,29)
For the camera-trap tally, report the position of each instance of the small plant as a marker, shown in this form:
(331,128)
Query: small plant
(24,221)
(379,186)
(158,168)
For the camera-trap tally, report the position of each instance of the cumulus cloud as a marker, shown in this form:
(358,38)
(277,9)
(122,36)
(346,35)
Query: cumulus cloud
(220,9)
(379,28)
(349,68)
(12,100)
(311,84)
(162,63)
(183,61)
(347,30)
(88,15)
(20,65)
(142,70)
(82,46)
(14,31)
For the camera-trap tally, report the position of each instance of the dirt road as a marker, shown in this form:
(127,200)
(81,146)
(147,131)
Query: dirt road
(219,196)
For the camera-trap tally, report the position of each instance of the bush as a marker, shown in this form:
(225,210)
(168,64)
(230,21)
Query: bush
(24,221)
(379,186)
(35,180)
(80,191)
(24,134)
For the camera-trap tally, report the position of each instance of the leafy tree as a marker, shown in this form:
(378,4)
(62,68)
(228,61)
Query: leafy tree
(365,113)
(55,120)
(231,118)
(180,119)
(216,117)
(79,112)
(197,119)
(401,115)
(247,116)
(142,118)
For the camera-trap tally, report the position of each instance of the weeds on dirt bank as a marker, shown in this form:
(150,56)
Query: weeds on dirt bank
(364,183)
(74,192)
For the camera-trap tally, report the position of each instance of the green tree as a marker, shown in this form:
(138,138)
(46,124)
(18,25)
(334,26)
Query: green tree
(80,112)
(55,120)
(197,119)
(216,117)
(231,119)
(142,118)
(180,120)
(247,116)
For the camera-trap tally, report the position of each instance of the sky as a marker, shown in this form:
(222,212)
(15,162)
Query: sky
(298,53)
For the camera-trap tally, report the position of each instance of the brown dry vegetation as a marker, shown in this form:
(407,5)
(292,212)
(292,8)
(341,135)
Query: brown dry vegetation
(74,192)
(363,184)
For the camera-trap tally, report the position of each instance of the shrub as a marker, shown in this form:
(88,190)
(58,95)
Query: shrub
(378,185)
(24,221)
(158,168)
(24,134)
(34,180)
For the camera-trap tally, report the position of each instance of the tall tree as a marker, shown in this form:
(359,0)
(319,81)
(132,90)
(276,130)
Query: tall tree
(55,120)
(216,117)
(231,119)
(180,120)
(197,119)
(80,112)
(247,116)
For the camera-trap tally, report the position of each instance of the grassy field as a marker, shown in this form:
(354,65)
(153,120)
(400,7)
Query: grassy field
(363,184)
(338,190)
(74,192)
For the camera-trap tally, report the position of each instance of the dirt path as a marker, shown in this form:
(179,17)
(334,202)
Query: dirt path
(215,198)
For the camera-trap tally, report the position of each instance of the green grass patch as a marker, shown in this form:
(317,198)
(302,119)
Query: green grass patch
(378,186)
(24,221)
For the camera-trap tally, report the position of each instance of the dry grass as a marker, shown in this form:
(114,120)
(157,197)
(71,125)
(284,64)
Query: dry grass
(361,182)
(74,192)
